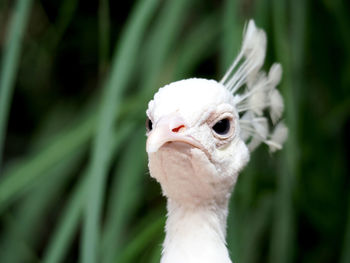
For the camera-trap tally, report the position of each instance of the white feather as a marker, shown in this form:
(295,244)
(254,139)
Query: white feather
(245,125)
(253,129)
(278,137)
(254,45)
(248,116)
(253,51)
(254,143)
(257,102)
(260,92)
(261,127)
(276,105)
(275,74)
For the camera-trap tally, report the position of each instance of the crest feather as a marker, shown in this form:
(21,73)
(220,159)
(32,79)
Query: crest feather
(278,137)
(255,92)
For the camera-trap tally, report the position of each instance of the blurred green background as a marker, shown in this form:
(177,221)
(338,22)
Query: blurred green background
(75,80)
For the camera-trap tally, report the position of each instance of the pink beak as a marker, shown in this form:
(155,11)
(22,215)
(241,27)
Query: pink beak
(168,129)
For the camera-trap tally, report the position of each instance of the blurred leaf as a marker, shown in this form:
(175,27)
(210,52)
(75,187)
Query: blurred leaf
(125,195)
(157,253)
(345,256)
(231,34)
(120,74)
(65,15)
(199,44)
(104,33)
(17,180)
(282,242)
(145,234)
(162,36)
(262,13)
(25,226)
(9,63)
(256,227)
(68,224)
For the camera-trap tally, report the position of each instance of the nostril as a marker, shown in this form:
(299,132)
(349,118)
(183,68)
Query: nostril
(177,129)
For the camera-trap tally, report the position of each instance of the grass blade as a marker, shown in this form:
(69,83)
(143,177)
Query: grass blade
(200,44)
(289,51)
(232,34)
(104,33)
(345,256)
(161,38)
(10,61)
(25,227)
(17,180)
(262,14)
(65,15)
(125,195)
(258,222)
(68,224)
(120,74)
(157,252)
(142,239)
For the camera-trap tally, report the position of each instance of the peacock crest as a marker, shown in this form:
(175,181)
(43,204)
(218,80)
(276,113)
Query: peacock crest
(258,102)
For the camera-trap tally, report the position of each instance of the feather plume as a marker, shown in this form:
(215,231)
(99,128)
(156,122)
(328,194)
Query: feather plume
(257,101)
(276,105)
(275,74)
(245,123)
(254,143)
(278,137)
(259,94)
(252,53)
(261,127)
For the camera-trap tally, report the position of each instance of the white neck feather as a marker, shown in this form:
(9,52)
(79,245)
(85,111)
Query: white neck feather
(195,234)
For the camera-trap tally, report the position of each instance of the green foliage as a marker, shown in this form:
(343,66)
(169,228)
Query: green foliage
(74,184)
(10,58)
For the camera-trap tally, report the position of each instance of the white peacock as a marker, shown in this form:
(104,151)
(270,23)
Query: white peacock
(200,135)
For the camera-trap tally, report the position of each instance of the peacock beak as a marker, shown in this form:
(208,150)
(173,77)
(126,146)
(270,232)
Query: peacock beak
(169,129)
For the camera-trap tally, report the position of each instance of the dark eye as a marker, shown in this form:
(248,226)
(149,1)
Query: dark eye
(149,125)
(222,127)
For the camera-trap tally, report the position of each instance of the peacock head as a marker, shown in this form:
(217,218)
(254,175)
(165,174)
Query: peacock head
(200,131)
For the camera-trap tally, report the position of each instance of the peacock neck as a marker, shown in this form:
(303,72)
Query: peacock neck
(195,234)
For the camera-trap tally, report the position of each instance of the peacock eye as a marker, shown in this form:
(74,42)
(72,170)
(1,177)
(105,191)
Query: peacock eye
(149,125)
(222,127)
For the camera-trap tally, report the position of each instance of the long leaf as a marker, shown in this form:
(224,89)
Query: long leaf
(68,224)
(141,240)
(162,37)
(345,256)
(64,233)
(121,72)
(288,51)
(231,34)
(10,61)
(104,34)
(199,44)
(126,192)
(25,227)
(19,178)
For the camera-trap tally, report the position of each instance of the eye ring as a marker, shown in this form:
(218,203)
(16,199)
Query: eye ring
(149,125)
(223,126)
